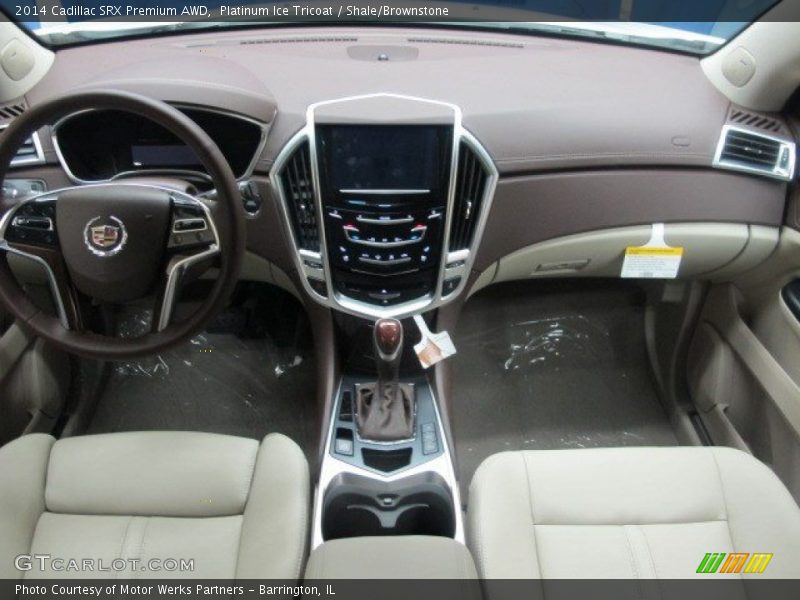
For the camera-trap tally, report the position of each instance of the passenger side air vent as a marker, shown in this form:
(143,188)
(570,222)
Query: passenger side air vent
(743,117)
(471,182)
(29,153)
(744,150)
(298,193)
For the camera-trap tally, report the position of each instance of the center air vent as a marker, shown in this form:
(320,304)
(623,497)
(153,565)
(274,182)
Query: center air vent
(744,150)
(298,192)
(471,187)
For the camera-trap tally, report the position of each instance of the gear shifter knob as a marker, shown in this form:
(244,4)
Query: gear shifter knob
(385,409)
(388,334)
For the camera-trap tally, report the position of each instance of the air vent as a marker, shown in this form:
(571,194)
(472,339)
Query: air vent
(298,192)
(471,182)
(29,153)
(744,150)
(743,117)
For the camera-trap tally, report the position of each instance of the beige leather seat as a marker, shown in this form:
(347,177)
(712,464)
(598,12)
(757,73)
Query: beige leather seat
(627,513)
(235,507)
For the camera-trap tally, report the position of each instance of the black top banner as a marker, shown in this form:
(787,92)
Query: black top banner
(32,12)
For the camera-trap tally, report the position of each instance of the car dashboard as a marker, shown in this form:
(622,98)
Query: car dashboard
(387,172)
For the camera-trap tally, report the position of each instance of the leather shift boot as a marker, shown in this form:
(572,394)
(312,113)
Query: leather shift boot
(385,419)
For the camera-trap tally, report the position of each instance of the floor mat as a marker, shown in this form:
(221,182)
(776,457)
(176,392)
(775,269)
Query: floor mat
(218,382)
(553,365)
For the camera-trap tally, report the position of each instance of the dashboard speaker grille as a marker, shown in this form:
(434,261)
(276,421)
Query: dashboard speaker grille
(743,117)
(471,180)
(8,112)
(298,190)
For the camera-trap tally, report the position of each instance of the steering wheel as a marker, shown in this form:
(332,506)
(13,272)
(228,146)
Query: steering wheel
(118,242)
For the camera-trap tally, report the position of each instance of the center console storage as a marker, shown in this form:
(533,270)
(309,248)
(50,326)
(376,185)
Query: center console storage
(355,505)
(394,477)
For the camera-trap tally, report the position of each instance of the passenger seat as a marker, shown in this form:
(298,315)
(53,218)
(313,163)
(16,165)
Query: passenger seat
(629,513)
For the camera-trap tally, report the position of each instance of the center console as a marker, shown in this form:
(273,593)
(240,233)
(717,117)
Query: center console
(384,199)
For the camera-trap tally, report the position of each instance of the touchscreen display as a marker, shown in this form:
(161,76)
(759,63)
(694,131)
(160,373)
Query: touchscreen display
(383,157)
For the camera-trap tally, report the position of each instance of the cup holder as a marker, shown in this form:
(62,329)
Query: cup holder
(355,505)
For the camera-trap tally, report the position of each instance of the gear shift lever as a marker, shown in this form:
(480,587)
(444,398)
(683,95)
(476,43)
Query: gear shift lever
(388,340)
(385,409)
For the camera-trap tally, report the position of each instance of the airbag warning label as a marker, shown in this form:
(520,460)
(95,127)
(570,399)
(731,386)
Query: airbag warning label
(654,260)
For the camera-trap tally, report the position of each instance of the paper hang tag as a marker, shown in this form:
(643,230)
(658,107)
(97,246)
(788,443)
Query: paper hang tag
(654,260)
(433,347)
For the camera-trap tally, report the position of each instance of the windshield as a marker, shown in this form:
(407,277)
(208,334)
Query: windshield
(698,27)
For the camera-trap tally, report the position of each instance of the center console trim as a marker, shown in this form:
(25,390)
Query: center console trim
(441,464)
(305,260)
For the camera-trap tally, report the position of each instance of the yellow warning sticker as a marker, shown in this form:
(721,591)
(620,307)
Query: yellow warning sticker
(649,251)
(654,260)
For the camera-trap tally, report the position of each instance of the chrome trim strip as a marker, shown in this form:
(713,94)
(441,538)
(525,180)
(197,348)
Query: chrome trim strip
(400,221)
(331,467)
(177,267)
(384,192)
(37,145)
(364,309)
(786,145)
(265,128)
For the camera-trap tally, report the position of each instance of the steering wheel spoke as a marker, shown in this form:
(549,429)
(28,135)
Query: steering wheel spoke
(28,230)
(191,247)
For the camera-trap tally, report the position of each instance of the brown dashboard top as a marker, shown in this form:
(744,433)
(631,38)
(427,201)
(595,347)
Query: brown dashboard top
(536,104)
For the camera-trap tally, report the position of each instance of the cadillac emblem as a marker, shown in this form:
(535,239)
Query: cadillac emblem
(105,236)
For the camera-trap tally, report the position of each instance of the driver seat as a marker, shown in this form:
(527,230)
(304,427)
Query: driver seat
(236,508)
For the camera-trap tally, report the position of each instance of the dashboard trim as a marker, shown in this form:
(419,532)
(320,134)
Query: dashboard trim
(39,159)
(302,257)
(264,127)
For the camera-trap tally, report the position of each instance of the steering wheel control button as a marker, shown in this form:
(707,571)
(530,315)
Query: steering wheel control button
(186,225)
(105,236)
(190,227)
(33,224)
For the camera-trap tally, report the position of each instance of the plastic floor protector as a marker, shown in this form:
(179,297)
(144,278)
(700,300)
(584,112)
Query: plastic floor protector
(553,365)
(217,382)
